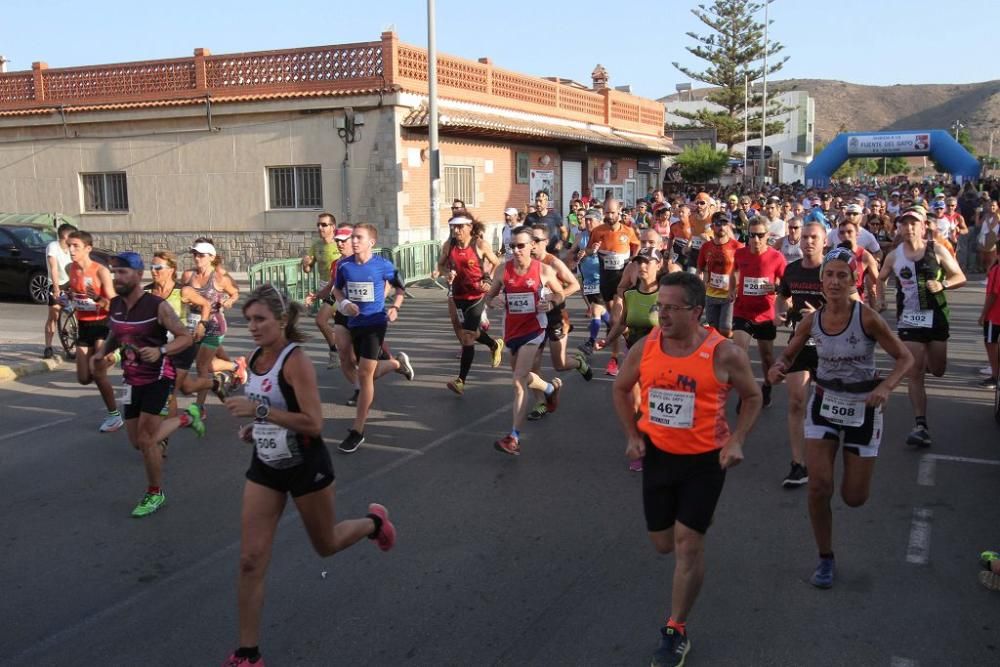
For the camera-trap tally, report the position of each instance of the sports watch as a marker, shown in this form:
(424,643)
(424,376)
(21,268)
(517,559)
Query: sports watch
(263,410)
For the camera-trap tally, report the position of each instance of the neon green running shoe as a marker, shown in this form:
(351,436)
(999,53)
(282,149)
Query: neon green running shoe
(149,504)
(196,424)
(987,557)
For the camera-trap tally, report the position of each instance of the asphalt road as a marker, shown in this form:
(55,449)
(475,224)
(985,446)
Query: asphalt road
(539,560)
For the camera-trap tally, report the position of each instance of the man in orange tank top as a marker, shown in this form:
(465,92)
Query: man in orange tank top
(91,289)
(684,372)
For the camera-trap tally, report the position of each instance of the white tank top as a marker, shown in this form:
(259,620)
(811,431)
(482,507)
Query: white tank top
(846,358)
(790,251)
(275,445)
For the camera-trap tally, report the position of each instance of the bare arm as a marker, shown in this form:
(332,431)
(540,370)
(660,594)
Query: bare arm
(167,317)
(231,290)
(570,285)
(875,325)
(487,252)
(53,264)
(442,263)
(952,271)
(300,373)
(733,366)
(621,394)
(107,286)
(777,372)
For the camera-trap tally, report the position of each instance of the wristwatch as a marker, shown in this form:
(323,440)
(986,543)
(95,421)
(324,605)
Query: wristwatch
(263,410)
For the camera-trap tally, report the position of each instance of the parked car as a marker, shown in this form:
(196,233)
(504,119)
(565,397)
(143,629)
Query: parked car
(23,271)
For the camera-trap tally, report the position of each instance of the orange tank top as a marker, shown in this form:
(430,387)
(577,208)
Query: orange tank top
(683,408)
(80,279)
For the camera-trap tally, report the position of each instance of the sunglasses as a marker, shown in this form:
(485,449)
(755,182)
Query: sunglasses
(700,203)
(792,228)
(158,267)
(758,235)
(323,224)
(342,240)
(536,239)
(520,246)
(200,254)
(668,307)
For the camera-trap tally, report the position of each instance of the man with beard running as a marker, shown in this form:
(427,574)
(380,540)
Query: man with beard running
(139,323)
(924,270)
(801,292)
(462,260)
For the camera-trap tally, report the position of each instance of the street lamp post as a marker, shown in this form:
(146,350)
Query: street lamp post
(432,122)
(763,118)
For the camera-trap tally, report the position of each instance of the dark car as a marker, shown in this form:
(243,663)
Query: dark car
(23,271)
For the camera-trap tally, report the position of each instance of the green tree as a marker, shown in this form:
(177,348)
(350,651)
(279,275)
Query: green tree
(734,53)
(890,166)
(701,163)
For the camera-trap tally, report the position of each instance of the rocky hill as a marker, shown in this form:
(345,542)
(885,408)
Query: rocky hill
(842,106)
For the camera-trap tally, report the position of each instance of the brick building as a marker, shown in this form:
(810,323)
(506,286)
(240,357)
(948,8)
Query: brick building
(249,147)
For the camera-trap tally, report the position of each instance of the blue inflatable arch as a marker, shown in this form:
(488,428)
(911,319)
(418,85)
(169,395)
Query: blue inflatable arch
(936,144)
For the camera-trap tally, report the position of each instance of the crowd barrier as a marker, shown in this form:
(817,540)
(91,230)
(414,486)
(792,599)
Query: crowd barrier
(415,262)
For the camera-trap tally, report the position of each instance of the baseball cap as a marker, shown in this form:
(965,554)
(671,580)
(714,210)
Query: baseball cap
(853,208)
(204,248)
(840,255)
(826,196)
(343,232)
(721,218)
(128,260)
(510,211)
(937,204)
(917,212)
(648,255)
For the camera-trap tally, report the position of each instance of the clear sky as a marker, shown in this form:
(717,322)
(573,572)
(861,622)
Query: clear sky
(876,42)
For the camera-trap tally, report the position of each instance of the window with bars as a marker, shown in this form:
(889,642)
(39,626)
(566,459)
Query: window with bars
(458,182)
(105,192)
(295,187)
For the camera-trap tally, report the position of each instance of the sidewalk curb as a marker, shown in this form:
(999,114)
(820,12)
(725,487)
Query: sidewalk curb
(11,373)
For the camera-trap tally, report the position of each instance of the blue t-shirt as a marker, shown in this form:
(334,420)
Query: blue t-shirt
(590,265)
(364,286)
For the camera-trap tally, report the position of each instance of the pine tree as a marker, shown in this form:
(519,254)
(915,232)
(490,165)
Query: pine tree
(734,53)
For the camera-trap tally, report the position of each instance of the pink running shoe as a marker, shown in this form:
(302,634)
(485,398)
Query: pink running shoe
(612,368)
(508,445)
(233,661)
(387,534)
(635,465)
(241,370)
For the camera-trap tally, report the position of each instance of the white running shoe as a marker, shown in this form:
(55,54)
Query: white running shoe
(112,423)
(986,371)
(333,360)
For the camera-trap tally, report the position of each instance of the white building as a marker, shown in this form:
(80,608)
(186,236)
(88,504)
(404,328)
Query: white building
(793,148)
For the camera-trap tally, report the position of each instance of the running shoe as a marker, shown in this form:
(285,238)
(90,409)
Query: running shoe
(919,437)
(48,353)
(612,368)
(986,370)
(222,383)
(149,504)
(196,423)
(552,400)
(404,365)
(585,370)
(587,347)
(986,559)
(163,444)
(351,442)
(112,423)
(635,465)
(822,577)
(796,477)
(236,661)
(353,400)
(240,374)
(673,650)
(508,445)
(765,390)
(989,383)
(990,580)
(497,353)
(386,536)
(333,358)
(537,412)
(457,385)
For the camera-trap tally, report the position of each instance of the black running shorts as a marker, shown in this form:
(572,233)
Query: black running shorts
(757,330)
(681,488)
(470,313)
(367,341)
(88,333)
(313,474)
(149,398)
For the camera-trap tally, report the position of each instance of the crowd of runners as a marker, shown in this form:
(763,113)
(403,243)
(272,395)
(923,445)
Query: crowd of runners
(674,291)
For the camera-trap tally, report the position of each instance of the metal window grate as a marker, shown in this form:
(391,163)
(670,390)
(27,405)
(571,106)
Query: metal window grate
(105,192)
(459,182)
(295,187)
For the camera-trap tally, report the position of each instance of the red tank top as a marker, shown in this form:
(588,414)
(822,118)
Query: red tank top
(80,279)
(859,254)
(523,293)
(468,267)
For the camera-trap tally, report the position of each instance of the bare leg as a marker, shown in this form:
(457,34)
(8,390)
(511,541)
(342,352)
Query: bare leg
(798,386)
(915,379)
(689,571)
(318,512)
(262,508)
(820,458)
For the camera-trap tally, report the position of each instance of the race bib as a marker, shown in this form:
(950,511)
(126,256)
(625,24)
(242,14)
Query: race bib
(674,409)
(271,442)
(126,394)
(614,261)
(718,280)
(592,288)
(916,319)
(697,242)
(756,286)
(193,320)
(842,410)
(361,292)
(520,303)
(86,304)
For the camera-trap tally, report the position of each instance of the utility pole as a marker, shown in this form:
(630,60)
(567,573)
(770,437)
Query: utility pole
(746,125)
(763,120)
(432,122)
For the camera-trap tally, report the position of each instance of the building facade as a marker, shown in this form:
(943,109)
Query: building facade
(792,148)
(248,148)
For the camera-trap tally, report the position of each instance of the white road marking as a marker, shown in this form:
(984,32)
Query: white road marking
(32,408)
(962,459)
(36,428)
(919,547)
(925,474)
(390,448)
(903,662)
